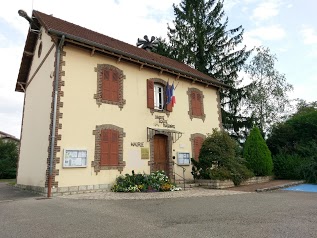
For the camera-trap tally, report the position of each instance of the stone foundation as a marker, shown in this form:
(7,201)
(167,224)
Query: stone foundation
(221,184)
(60,191)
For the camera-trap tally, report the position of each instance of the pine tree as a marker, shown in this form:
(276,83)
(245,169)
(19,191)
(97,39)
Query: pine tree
(200,39)
(257,154)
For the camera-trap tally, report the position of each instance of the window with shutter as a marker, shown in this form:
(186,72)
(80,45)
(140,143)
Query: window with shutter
(197,141)
(109,85)
(156,96)
(108,148)
(196,104)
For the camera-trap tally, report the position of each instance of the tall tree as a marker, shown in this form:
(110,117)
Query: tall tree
(200,39)
(267,99)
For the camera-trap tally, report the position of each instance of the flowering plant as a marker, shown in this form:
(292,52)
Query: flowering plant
(156,181)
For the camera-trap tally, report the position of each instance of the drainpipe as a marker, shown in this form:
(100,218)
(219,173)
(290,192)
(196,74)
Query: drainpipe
(52,142)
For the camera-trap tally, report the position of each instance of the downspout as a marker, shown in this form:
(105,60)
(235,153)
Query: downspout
(52,142)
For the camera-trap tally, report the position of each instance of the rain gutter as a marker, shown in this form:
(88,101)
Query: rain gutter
(52,141)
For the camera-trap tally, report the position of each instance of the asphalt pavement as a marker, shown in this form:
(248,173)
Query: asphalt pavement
(268,214)
(11,193)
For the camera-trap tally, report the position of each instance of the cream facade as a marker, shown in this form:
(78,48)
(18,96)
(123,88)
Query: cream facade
(144,139)
(81,115)
(36,115)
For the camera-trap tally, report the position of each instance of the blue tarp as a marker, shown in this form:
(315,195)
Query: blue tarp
(303,188)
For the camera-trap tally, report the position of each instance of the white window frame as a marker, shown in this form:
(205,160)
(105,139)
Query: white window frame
(158,97)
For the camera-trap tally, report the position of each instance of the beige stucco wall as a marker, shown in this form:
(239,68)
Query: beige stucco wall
(81,114)
(36,118)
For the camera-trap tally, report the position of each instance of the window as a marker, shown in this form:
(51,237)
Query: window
(197,140)
(109,85)
(156,96)
(196,105)
(108,148)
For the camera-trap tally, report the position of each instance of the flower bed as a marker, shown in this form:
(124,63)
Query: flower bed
(154,182)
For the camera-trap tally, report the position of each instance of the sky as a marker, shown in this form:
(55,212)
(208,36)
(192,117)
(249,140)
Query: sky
(287,27)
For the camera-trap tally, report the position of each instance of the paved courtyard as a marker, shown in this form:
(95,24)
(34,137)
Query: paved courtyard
(208,213)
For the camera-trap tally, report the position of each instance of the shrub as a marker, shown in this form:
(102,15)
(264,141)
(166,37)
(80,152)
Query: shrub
(287,166)
(219,159)
(156,181)
(309,171)
(257,154)
(8,159)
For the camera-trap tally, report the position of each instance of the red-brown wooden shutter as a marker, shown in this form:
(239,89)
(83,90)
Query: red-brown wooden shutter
(169,107)
(199,104)
(106,93)
(114,148)
(114,86)
(109,147)
(110,85)
(104,147)
(150,94)
(193,103)
(198,142)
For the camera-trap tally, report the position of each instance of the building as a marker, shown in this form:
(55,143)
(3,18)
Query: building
(7,137)
(96,107)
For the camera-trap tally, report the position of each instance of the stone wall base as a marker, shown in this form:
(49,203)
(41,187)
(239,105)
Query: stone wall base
(220,184)
(60,191)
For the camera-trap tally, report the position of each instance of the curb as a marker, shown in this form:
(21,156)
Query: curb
(280,186)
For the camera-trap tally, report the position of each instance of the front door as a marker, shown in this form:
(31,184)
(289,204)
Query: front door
(160,154)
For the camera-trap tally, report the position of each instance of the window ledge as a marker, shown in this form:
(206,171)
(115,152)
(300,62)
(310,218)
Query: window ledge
(160,111)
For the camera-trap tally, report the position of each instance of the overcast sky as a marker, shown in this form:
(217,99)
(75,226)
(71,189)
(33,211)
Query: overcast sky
(287,27)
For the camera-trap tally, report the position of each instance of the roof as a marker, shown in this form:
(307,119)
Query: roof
(75,33)
(4,135)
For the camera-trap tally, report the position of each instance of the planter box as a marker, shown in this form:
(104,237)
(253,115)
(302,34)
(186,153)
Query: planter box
(215,183)
(221,184)
(255,180)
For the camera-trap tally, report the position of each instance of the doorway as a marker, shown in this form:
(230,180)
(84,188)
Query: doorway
(161,160)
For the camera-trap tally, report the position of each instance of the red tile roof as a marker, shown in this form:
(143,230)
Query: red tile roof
(4,135)
(74,32)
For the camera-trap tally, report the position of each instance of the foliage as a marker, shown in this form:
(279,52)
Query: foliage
(309,171)
(297,136)
(219,159)
(289,166)
(8,159)
(257,154)
(200,39)
(267,98)
(156,181)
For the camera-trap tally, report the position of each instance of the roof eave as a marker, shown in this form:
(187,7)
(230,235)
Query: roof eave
(26,61)
(150,62)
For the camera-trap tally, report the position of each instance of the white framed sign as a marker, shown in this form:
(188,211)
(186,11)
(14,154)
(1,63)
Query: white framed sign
(183,158)
(75,158)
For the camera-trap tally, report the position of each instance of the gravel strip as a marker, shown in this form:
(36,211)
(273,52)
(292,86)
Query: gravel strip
(194,192)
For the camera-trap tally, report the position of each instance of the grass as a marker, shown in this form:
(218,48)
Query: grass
(8,181)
